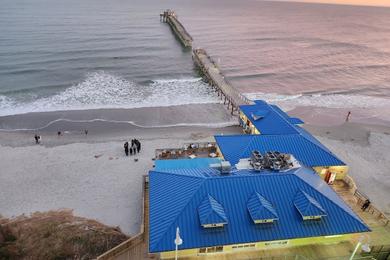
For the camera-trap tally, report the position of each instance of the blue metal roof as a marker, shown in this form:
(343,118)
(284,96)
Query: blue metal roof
(292,120)
(260,209)
(305,148)
(211,212)
(307,205)
(273,120)
(185,163)
(175,198)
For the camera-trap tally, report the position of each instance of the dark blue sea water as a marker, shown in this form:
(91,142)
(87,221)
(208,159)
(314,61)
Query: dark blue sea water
(58,55)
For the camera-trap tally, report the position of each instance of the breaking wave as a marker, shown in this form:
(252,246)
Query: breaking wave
(207,125)
(103,90)
(289,102)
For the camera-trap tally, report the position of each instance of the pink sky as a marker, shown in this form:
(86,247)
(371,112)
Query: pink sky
(353,2)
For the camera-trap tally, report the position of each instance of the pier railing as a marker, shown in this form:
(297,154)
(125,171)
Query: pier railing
(230,96)
(170,17)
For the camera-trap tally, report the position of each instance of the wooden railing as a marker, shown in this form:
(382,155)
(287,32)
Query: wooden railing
(134,248)
(361,198)
(351,183)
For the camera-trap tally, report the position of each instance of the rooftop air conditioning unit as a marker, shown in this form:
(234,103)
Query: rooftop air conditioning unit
(225,167)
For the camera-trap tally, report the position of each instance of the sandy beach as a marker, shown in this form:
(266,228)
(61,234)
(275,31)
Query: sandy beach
(91,175)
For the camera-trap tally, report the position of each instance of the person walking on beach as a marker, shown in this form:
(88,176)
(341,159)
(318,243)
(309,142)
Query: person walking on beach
(348,115)
(36,139)
(126,146)
(366,204)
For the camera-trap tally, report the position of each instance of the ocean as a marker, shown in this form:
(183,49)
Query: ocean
(314,59)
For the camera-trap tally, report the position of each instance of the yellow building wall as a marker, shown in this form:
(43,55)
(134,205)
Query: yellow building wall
(254,130)
(341,171)
(323,240)
(181,253)
(219,153)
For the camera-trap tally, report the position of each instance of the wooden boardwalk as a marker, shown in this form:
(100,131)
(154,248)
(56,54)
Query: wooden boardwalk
(170,18)
(232,97)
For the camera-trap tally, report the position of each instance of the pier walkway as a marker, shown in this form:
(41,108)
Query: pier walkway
(170,18)
(216,79)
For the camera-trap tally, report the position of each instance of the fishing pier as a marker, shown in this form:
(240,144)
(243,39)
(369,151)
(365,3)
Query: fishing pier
(206,65)
(216,79)
(170,17)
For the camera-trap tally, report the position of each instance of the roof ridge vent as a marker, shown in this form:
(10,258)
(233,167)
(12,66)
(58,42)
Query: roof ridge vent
(308,207)
(211,213)
(261,210)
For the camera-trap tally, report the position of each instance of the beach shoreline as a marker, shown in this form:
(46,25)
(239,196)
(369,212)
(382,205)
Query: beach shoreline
(91,175)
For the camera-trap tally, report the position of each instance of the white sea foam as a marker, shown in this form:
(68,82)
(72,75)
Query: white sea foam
(103,90)
(207,125)
(289,102)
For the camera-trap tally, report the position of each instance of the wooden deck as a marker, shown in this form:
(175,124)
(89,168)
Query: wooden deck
(374,218)
(190,150)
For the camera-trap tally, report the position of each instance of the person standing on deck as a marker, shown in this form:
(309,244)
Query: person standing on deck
(366,204)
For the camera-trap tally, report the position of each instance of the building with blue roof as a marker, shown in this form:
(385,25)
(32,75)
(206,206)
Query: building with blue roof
(303,146)
(218,212)
(282,133)
(263,118)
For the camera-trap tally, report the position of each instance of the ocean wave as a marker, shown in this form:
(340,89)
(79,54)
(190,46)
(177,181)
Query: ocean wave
(208,125)
(104,90)
(326,100)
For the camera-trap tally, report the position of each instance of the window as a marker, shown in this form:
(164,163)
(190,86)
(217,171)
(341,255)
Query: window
(244,246)
(311,217)
(202,250)
(210,250)
(213,225)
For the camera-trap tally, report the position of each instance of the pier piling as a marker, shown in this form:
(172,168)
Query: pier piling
(216,79)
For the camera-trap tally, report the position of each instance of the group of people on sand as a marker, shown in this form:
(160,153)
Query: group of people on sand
(37,138)
(134,147)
